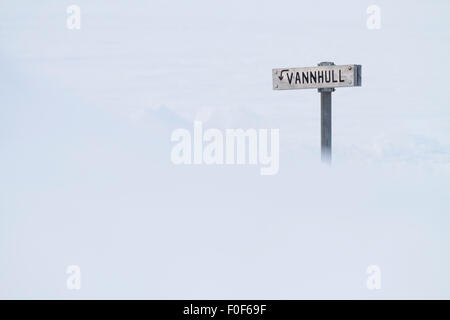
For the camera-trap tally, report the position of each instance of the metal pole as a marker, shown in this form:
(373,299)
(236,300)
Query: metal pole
(325,120)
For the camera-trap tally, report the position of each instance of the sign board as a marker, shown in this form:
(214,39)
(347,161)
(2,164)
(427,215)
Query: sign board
(317,77)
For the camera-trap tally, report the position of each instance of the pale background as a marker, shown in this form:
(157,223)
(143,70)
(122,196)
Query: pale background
(85,173)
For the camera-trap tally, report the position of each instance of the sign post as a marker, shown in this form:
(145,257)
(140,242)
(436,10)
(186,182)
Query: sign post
(325,119)
(325,77)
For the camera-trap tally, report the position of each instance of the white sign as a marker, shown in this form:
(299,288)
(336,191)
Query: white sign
(317,77)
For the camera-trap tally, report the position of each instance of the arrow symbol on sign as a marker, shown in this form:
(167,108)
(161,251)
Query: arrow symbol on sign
(281,74)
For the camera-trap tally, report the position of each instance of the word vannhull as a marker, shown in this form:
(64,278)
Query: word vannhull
(316,77)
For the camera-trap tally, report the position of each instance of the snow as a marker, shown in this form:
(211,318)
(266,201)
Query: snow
(85,126)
